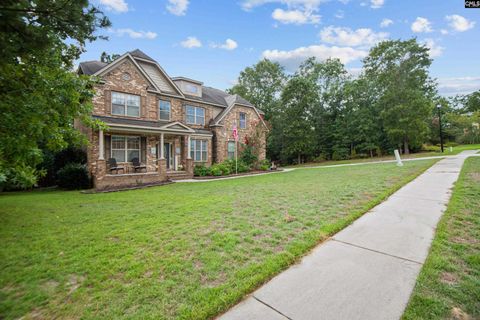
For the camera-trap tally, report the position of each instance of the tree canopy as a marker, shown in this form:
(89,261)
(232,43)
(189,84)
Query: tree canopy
(322,112)
(40,94)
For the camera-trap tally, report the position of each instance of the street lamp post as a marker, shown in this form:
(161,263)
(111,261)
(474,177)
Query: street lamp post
(440,125)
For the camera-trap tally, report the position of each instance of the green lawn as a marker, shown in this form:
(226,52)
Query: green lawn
(449,284)
(434,151)
(186,251)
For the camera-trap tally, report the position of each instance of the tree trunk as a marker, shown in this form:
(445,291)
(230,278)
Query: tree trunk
(405,146)
(371,153)
(299,159)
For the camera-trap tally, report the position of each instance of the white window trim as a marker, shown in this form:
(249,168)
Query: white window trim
(193,149)
(169,113)
(240,120)
(126,147)
(195,115)
(125,106)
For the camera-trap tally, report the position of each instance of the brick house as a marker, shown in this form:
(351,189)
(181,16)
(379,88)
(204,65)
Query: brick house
(169,124)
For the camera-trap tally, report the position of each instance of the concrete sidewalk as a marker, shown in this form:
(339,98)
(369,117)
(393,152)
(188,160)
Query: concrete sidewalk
(368,270)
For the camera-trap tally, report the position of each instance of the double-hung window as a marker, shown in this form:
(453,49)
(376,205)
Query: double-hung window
(242,120)
(125,148)
(231,149)
(125,104)
(195,115)
(198,150)
(164,109)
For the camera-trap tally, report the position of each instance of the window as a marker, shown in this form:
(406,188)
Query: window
(125,104)
(191,88)
(243,120)
(164,109)
(125,148)
(231,149)
(195,115)
(198,150)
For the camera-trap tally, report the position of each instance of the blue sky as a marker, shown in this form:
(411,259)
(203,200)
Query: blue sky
(213,40)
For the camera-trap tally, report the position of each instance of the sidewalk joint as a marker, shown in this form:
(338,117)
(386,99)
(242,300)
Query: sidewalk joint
(376,251)
(269,306)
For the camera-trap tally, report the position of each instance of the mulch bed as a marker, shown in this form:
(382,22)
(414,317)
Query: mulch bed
(251,173)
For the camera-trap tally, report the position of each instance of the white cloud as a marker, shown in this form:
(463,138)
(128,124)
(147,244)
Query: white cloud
(228,45)
(291,59)
(421,25)
(375,4)
(348,37)
(115,5)
(434,49)
(178,7)
(459,23)
(295,16)
(191,42)
(306,4)
(459,85)
(444,31)
(386,22)
(134,34)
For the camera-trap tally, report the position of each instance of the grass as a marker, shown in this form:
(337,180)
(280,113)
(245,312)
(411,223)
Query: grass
(432,152)
(449,284)
(183,251)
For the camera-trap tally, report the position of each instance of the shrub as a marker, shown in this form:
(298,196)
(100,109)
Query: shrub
(201,171)
(73,176)
(215,170)
(248,156)
(264,165)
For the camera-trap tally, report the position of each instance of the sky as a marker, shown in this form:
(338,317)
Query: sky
(213,40)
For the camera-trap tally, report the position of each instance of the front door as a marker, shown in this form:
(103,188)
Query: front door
(168,155)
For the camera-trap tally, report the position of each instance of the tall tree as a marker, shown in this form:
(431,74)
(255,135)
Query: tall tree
(329,78)
(295,115)
(262,85)
(40,95)
(400,71)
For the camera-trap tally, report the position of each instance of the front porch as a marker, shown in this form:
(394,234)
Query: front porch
(159,154)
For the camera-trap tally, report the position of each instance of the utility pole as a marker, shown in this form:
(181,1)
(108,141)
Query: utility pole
(439,106)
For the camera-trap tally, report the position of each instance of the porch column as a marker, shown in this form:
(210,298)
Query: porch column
(162,156)
(189,148)
(100,145)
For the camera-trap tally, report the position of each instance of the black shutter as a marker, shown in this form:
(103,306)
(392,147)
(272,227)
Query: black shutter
(143,147)
(107,140)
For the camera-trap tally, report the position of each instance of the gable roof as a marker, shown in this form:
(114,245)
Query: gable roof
(140,54)
(162,83)
(90,67)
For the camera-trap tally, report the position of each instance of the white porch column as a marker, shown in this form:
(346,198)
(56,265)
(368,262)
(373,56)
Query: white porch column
(162,156)
(189,148)
(101,148)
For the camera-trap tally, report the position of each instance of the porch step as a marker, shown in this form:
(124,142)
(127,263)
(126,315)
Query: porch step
(178,175)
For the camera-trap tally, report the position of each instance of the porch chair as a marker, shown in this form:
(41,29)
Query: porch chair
(137,165)
(112,166)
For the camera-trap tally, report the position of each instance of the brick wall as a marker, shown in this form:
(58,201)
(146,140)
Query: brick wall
(224,134)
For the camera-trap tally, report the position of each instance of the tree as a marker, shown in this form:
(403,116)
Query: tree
(108,58)
(262,85)
(295,115)
(328,116)
(40,95)
(406,92)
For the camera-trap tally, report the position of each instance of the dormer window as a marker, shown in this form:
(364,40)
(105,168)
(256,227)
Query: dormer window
(190,88)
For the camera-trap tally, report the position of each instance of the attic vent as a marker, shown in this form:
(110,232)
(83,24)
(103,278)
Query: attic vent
(126,76)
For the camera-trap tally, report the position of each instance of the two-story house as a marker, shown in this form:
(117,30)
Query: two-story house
(168,124)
